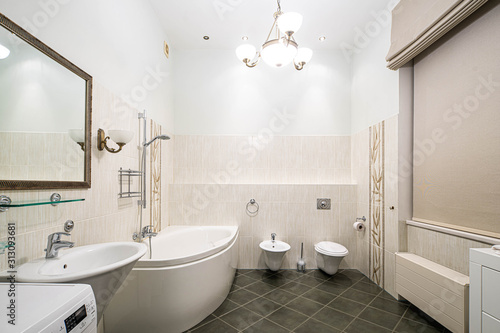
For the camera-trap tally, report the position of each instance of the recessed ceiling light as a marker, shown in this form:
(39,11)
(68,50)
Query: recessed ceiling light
(206,37)
(244,37)
(322,38)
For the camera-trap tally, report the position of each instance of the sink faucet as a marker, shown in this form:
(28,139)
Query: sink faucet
(54,244)
(148,232)
(273,236)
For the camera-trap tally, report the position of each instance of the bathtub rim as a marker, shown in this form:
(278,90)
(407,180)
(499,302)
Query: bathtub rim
(146,263)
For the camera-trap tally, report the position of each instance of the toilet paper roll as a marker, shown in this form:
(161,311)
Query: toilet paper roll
(358,226)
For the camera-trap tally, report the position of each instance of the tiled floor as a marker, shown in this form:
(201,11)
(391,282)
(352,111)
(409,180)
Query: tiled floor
(312,302)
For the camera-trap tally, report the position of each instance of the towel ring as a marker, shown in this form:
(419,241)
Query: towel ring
(253,203)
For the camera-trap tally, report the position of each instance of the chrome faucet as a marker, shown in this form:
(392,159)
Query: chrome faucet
(148,232)
(54,244)
(273,236)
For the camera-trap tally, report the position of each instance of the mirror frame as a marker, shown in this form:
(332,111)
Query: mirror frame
(48,184)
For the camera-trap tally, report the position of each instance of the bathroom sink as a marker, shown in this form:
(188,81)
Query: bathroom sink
(274,246)
(104,266)
(81,262)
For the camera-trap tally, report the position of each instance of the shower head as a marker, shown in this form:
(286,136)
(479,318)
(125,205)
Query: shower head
(161,137)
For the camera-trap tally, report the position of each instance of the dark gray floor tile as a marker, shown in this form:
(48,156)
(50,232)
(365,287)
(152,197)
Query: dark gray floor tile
(287,318)
(234,288)
(241,318)
(397,308)
(361,326)
(410,326)
(280,296)
(260,274)
(243,271)
(304,306)
(370,288)
(225,307)
(262,306)
(265,326)
(332,288)
(260,288)
(216,326)
(380,317)
(319,296)
(386,295)
(347,306)
(343,279)
(314,326)
(204,321)
(276,280)
(291,274)
(318,274)
(241,296)
(295,288)
(353,274)
(334,318)
(358,296)
(243,280)
(309,281)
(418,315)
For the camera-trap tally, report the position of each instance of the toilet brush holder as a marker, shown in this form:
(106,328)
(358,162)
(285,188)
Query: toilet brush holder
(301,264)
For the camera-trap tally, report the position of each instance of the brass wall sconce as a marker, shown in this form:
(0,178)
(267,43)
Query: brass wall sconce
(78,136)
(120,137)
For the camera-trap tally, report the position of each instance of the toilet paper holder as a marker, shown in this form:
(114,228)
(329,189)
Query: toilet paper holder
(361,219)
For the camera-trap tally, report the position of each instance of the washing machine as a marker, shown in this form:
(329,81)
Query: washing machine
(47,308)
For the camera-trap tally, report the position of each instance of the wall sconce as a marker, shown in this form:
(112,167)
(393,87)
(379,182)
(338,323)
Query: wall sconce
(78,136)
(121,137)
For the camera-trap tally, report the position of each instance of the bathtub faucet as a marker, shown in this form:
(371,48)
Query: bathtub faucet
(273,236)
(148,232)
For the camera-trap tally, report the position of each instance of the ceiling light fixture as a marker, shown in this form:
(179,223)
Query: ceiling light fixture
(281,48)
(322,38)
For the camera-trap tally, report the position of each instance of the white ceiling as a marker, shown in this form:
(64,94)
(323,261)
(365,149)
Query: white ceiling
(226,21)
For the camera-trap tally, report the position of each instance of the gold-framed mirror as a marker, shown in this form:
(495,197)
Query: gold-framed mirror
(45,115)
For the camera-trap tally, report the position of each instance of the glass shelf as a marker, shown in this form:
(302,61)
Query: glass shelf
(36,203)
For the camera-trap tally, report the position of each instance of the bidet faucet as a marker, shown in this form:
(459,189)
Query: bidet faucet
(148,232)
(54,244)
(273,236)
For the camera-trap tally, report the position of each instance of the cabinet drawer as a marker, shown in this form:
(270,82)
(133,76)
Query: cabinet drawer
(490,324)
(491,292)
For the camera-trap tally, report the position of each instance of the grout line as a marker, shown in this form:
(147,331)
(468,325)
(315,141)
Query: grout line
(400,319)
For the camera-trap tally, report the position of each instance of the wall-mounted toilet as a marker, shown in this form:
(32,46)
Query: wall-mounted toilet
(329,255)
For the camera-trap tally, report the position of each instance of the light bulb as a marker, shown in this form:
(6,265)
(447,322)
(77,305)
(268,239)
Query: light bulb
(4,52)
(245,51)
(304,55)
(277,53)
(289,23)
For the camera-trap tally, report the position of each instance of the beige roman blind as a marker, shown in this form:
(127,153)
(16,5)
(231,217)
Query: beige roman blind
(416,24)
(457,127)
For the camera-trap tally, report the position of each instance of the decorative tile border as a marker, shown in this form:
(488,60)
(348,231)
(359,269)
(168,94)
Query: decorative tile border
(155,177)
(377,203)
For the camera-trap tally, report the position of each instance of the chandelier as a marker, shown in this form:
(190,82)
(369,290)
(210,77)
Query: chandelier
(280,47)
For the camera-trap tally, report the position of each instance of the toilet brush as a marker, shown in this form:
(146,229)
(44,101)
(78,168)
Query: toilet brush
(301,265)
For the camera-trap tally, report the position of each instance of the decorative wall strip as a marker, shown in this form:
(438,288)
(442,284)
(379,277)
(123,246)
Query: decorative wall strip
(377,203)
(155,180)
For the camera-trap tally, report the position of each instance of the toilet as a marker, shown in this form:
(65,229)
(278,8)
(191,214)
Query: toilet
(329,255)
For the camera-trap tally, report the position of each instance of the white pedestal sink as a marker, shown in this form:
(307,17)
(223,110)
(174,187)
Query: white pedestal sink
(104,266)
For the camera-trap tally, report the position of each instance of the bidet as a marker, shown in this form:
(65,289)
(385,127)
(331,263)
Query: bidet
(274,252)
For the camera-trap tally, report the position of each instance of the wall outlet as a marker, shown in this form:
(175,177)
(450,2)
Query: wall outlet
(324,203)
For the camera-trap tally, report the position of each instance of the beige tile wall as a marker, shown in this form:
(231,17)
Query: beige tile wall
(447,250)
(288,210)
(360,176)
(40,156)
(251,160)
(216,176)
(102,217)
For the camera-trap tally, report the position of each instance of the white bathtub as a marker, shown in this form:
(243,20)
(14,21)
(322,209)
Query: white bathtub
(188,277)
